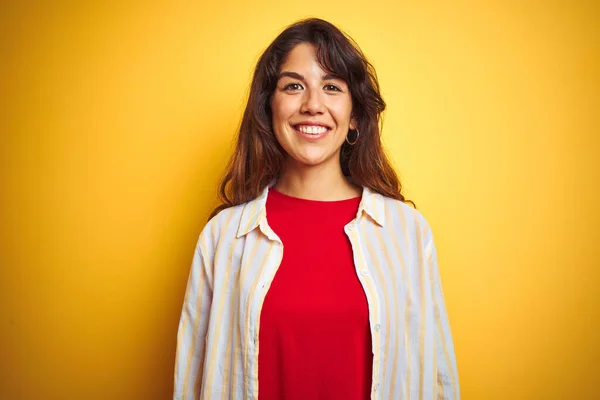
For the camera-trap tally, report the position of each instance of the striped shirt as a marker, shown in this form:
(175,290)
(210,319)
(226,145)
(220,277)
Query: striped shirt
(236,258)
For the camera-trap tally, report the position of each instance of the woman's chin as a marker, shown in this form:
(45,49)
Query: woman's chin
(310,160)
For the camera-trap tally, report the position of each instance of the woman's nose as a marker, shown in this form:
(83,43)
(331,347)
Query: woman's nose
(313,102)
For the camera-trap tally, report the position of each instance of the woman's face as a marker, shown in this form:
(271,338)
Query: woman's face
(311,110)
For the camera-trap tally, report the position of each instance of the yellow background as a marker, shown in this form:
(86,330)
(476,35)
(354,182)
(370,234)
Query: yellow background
(116,121)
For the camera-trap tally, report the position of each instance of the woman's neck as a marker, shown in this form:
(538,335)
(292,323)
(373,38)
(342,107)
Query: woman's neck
(317,182)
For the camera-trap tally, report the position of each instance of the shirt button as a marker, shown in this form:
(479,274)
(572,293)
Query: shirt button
(376,388)
(350,227)
(377,328)
(364,272)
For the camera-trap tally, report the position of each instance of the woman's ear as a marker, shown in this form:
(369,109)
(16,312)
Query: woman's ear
(353,124)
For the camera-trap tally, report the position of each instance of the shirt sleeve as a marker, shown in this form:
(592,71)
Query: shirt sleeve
(447,373)
(193,324)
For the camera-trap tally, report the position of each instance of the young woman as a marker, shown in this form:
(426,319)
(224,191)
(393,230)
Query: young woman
(314,279)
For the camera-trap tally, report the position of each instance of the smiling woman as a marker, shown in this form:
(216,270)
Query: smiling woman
(316,64)
(353,308)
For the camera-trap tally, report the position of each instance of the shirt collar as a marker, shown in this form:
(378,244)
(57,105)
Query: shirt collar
(254,211)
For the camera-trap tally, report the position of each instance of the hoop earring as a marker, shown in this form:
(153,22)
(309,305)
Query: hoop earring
(355,140)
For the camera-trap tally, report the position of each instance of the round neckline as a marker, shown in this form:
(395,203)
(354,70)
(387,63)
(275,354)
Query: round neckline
(289,198)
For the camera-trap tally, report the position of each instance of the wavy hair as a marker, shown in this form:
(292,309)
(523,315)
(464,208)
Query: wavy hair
(258,157)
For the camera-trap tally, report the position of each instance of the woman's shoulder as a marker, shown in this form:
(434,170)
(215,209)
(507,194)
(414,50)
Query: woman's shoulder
(405,215)
(395,207)
(225,220)
(230,222)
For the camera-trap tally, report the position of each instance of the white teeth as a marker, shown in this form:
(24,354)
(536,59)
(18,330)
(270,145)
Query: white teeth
(311,129)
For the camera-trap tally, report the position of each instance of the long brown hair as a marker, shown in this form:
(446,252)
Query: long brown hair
(258,156)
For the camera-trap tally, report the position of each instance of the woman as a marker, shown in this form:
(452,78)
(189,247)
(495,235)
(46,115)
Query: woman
(314,279)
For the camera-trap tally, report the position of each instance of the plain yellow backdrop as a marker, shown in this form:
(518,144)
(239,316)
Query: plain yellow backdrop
(117,119)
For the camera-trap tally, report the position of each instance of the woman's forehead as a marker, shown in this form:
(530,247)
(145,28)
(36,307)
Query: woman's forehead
(303,54)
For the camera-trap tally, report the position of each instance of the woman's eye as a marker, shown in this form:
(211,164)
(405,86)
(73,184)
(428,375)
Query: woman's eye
(332,88)
(293,86)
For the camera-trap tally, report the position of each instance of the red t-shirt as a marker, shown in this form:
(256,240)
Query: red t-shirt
(314,337)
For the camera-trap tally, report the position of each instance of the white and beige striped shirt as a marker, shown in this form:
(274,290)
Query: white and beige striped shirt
(236,258)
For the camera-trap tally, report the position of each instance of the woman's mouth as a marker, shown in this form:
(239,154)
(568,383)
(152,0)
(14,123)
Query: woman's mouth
(311,131)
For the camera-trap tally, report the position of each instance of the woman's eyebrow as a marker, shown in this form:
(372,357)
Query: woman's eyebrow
(295,75)
(331,76)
